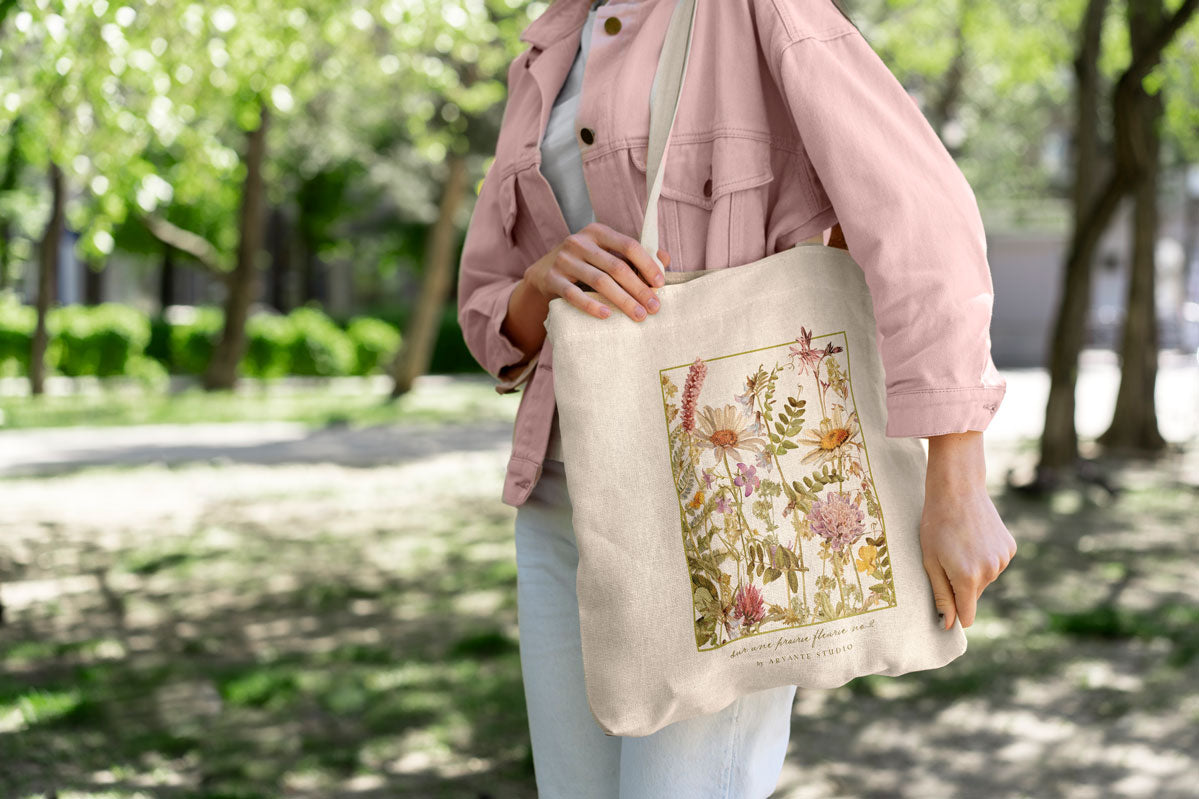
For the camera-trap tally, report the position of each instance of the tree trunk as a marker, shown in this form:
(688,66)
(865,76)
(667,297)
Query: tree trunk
(280,237)
(416,350)
(1134,425)
(5,256)
(93,282)
(242,285)
(1190,236)
(47,279)
(168,278)
(12,172)
(314,273)
(1059,439)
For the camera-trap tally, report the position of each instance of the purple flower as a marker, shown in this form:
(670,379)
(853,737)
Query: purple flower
(808,357)
(837,519)
(722,504)
(746,478)
(708,476)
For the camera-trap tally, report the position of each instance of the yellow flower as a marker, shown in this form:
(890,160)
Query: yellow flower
(727,432)
(866,558)
(835,436)
(698,500)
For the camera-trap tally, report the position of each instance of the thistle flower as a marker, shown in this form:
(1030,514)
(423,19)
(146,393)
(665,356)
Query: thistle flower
(837,519)
(749,607)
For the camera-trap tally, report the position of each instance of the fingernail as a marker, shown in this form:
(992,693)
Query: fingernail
(640,312)
(660,279)
(654,304)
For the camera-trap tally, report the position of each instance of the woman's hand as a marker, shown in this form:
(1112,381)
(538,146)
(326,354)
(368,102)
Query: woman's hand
(965,543)
(611,263)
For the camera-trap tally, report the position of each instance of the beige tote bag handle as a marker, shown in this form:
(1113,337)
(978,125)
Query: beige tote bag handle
(668,87)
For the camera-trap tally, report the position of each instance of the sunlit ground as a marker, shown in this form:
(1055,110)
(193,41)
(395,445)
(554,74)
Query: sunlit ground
(278,619)
(251,631)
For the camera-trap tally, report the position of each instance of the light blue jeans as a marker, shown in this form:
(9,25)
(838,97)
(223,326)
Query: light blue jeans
(736,753)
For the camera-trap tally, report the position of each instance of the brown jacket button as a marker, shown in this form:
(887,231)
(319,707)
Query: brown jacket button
(587,135)
(708,187)
(612,25)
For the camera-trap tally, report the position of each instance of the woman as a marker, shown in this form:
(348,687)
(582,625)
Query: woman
(789,125)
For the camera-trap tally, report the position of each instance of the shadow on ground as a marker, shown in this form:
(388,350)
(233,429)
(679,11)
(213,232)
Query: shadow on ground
(325,633)
(312,630)
(1081,677)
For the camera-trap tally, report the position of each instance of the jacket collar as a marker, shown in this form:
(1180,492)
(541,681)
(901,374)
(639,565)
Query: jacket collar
(562,18)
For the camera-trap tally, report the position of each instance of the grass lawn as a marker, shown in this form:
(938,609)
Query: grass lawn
(238,630)
(318,403)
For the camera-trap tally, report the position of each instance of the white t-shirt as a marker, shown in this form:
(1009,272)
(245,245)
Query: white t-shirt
(562,163)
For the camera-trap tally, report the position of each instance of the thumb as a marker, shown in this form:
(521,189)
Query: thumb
(664,257)
(942,593)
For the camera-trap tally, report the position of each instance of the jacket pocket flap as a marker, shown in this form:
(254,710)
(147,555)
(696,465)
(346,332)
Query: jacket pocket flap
(730,163)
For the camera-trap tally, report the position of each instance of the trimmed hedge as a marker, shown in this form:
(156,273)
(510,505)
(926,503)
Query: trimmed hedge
(115,339)
(95,340)
(17,322)
(375,344)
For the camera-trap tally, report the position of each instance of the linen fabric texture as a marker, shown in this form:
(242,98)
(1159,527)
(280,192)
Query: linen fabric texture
(742,520)
(800,125)
(736,753)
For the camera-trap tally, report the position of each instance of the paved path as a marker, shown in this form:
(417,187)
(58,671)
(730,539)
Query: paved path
(51,451)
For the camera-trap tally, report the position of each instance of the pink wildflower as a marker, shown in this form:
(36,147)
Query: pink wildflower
(750,607)
(695,378)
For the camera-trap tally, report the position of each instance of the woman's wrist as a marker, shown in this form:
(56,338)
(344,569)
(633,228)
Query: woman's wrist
(957,459)
(524,322)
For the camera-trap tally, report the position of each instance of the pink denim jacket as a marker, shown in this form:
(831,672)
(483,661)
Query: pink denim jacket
(789,123)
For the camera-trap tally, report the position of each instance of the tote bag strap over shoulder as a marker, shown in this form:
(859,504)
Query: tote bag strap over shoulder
(668,88)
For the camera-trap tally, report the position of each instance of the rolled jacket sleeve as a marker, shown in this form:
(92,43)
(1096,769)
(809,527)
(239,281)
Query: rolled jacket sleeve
(488,272)
(911,221)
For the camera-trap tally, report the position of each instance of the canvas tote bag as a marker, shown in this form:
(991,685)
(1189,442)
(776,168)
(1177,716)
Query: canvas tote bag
(742,521)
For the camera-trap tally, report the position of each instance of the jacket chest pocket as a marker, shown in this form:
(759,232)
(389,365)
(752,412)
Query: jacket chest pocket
(714,200)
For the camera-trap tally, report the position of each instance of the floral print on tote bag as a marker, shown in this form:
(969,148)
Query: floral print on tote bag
(781,524)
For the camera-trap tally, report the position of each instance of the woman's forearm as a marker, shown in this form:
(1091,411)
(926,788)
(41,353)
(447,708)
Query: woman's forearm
(524,323)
